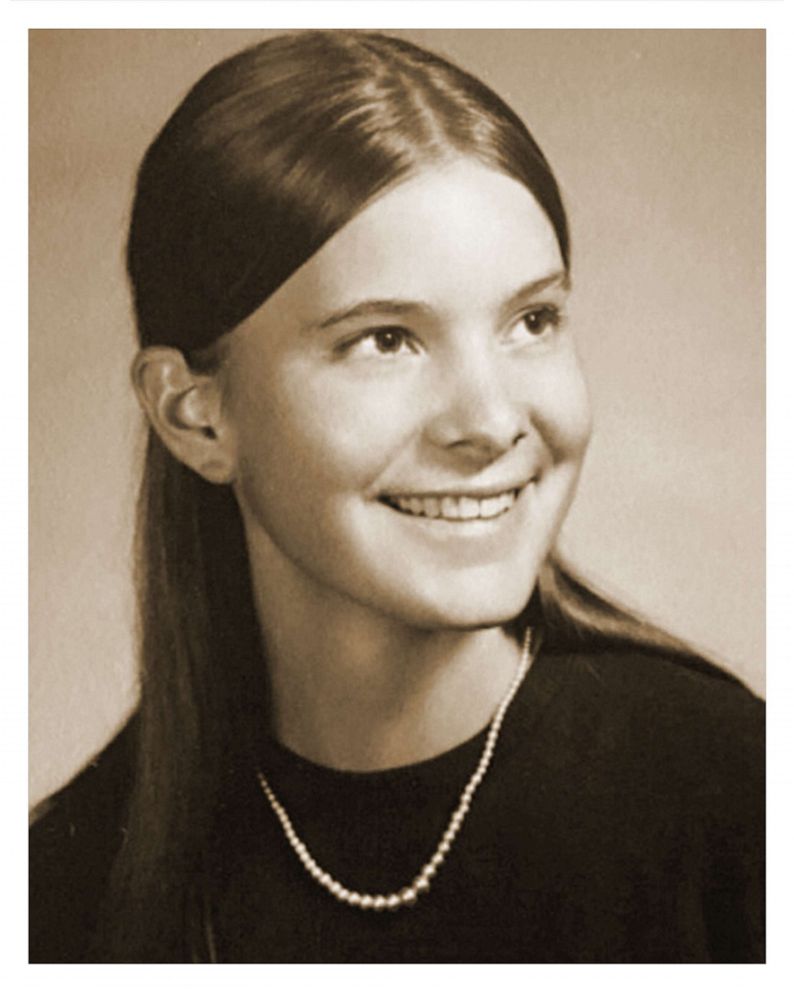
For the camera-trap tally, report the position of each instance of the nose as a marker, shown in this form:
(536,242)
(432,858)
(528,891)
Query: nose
(478,414)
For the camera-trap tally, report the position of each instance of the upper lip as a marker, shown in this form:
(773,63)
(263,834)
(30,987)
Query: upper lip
(456,492)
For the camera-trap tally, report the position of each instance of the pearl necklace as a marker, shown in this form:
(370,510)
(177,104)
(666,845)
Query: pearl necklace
(421,883)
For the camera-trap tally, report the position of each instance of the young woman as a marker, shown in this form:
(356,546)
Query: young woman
(379,721)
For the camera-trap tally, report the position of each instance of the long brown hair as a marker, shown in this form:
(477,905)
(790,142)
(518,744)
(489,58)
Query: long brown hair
(270,153)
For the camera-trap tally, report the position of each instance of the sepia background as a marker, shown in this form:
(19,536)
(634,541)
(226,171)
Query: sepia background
(657,139)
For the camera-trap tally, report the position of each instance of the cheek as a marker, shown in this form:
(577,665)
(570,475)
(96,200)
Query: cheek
(305,439)
(561,408)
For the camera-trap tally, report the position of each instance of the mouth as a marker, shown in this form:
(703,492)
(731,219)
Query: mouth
(454,507)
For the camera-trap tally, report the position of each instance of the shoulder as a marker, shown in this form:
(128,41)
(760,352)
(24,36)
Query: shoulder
(73,841)
(673,693)
(642,673)
(653,764)
(681,723)
(679,700)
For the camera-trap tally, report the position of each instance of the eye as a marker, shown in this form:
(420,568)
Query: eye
(388,340)
(381,341)
(541,319)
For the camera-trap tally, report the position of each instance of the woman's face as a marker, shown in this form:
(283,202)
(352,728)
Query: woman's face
(407,410)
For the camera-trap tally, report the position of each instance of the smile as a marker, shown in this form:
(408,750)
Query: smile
(456,508)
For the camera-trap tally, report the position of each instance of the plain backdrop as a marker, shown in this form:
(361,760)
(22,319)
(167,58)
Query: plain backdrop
(657,139)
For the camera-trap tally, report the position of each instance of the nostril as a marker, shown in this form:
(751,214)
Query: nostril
(489,440)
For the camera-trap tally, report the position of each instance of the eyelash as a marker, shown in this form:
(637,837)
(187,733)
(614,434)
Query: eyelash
(552,318)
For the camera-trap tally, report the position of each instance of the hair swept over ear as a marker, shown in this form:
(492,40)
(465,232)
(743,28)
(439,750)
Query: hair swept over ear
(185,408)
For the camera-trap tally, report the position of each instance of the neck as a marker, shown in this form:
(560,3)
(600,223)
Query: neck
(356,690)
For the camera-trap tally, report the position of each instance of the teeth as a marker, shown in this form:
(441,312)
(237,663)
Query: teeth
(456,507)
(432,507)
(449,508)
(469,508)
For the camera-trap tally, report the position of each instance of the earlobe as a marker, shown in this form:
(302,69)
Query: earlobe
(184,407)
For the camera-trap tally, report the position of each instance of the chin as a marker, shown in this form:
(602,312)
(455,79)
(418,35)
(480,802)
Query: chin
(462,606)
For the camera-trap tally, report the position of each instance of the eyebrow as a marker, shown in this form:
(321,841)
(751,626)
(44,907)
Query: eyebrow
(561,278)
(400,308)
(372,308)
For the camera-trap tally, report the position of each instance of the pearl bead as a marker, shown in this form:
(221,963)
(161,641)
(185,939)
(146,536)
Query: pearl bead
(355,899)
(393,901)
(367,902)
(409,894)
(379,902)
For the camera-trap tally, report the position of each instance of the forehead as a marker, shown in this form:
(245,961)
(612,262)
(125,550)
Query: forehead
(454,235)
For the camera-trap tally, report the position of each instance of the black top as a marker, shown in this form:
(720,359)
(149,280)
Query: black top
(621,820)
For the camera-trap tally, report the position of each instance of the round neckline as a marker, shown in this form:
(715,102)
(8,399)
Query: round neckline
(539,684)
(286,756)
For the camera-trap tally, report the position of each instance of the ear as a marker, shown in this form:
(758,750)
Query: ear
(185,409)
